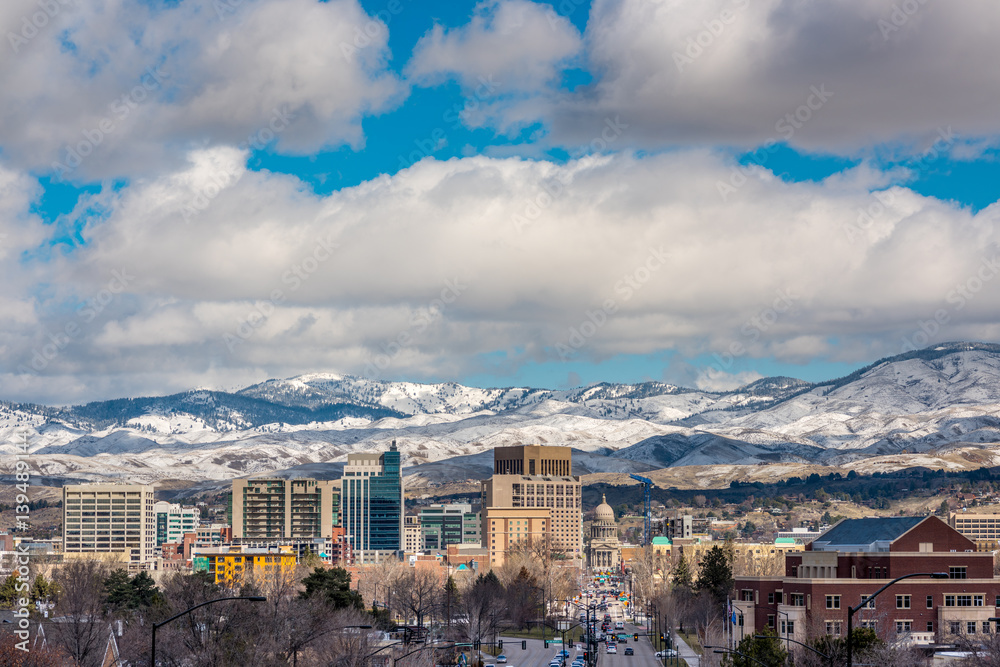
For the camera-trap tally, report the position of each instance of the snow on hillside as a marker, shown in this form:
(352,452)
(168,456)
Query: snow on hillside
(925,404)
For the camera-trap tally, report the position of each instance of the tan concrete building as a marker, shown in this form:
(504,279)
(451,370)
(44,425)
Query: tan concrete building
(506,527)
(605,550)
(411,534)
(115,522)
(272,508)
(533,460)
(557,495)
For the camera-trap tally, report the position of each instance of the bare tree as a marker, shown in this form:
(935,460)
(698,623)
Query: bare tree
(79,625)
(418,593)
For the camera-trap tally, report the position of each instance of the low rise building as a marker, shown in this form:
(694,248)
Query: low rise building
(856,557)
(237,564)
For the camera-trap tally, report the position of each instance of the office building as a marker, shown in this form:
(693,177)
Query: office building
(173,521)
(508,528)
(115,522)
(272,508)
(557,495)
(411,534)
(533,460)
(855,558)
(454,523)
(371,504)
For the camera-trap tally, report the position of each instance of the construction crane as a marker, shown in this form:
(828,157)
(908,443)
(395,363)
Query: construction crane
(647,484)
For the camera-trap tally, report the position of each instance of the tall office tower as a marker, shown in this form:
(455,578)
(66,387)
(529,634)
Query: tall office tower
(371,504)
(115,520)
(532,477)
(172,521)
(272,508)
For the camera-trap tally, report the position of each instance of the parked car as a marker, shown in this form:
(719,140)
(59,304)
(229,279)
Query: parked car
(629,651)
(667,653)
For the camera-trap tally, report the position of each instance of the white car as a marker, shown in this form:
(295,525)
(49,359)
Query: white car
(667,653)
(501,658)
(612,649)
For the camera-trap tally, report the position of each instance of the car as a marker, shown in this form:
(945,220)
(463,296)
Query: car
(629,651)
(619,625)
(501,658)
(563,654)
(667,653)
(612,648)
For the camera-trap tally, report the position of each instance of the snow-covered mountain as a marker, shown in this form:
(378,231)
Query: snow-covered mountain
(925,402)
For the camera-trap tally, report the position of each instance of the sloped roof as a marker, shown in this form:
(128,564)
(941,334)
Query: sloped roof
(853,532)
(660,540)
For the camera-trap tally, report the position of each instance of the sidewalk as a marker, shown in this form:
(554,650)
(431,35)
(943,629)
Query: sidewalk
(686,652)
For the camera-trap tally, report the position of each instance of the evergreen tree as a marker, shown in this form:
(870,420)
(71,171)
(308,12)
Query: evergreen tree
(755,652)
(9,593)
(682,574)
(716,576)
(334,586)
(118,590)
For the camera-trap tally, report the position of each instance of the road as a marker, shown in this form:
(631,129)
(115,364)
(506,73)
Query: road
(644,656)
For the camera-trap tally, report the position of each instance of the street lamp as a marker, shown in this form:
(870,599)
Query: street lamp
(853,610)
(742,655)
(778,611)
(251,598)
(806,646)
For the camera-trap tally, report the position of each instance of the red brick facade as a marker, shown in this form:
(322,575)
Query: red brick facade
(924,610)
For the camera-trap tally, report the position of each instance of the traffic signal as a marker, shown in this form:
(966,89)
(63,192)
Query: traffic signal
(500,643)
(635,637)
(586,656)
(475,645)
(546,643)
(524,645)
(661,636)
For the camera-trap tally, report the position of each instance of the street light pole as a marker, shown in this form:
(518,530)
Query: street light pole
(853,610)
(805,646)
(742,655)
(251,598)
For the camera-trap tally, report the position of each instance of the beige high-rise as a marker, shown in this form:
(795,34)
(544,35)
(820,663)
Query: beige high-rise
(115,522)
(272,508)
(555,492)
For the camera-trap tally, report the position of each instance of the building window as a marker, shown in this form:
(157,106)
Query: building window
(955,627)
(930,626)
(902,626)
(770,598)
(871,625)
(770,620)
(957,572)
(798,599)
(746,595)
(833,628)
(977,600)
(902,602)
(930,601)
(970,627)
(788,627)
(963,600)
(832,602)
(986,627)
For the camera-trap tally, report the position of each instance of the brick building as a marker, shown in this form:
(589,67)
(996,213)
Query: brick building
(858,556)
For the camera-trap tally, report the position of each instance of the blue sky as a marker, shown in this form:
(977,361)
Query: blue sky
(620,191)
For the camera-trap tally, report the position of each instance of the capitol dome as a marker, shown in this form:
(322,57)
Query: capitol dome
(604,513)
